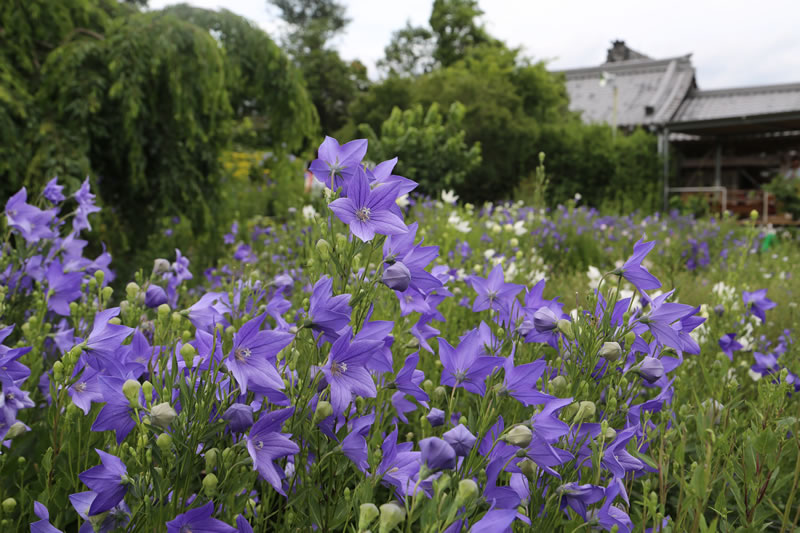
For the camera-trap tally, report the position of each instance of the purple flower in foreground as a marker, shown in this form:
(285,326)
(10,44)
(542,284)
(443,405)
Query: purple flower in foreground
(328,314)
(252,359)
(199,520)
(757,302)
(495,520)
(354,445)
(463,366)
(266,443)
(634,272)
(577,497)
(728,344)
(494,292)
(105,338)
(66,287)
(43,525)
(336,164)
(107,480)
(346,372)
(366,211)
(435,417)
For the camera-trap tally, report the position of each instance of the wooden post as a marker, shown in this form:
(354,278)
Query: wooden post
(718,165)
(666,169)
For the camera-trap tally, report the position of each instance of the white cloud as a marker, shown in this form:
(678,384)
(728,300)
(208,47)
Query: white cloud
(734,42)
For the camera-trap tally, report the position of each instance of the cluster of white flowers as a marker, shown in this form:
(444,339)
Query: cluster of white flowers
(458,223)
(309,213)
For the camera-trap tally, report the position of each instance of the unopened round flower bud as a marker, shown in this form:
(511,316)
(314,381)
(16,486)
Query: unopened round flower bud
(367,513)
(754,214)
(160,266)
(323,411)
(558,385)
(586,411)
(164,442)
(162,415)
(211,457)
(107,293)
(439,394)
(435,417)
(324,249)
(16,429)
(132,290)
(565,327)
(58,371)
(528,468)
(427,386)
(100,276)
(131,389)
(396,277)
(466,493)
(519,435)
(188,352)
(9,504)
(514,242)
(392,515)
(163,311)
(210,483)
(610,351)
(115,321)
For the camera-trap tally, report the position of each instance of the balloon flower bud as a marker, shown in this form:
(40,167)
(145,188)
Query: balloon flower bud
(467,492)
(162,415)
(8,505)
(519,436)
(210,483)
(323,249)
(188,352)
(586,411)
(650,369)
(367,513)
(565,327)
(16,429)
(239,417)
(160,266)
(396,277)
(211,457)
(131,390)
(528,468)
(323,411)
(558,385)
(164,442)
(435,417)
(132,290)
(155,296)
(610,351)
(392,515)
(436,455)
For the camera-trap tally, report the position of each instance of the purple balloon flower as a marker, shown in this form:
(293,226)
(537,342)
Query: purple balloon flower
(728,344)
(199,519)
(239,417)
(396,276)
(266,443)
(337,164)
(494,293)
(634,272)
(346,372)
(460,439)
(107,481)
(464,366)
(154,296)
(366,211)
(758,303)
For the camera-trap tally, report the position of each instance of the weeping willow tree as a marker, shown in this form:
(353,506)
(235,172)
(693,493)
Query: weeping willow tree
(266,91)
(143,103)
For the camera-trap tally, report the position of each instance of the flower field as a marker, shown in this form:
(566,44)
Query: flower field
(380,361)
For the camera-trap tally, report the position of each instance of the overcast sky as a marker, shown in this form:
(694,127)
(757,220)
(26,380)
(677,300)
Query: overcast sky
(733,42)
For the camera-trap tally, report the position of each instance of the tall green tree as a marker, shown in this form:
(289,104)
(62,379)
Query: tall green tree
(266,91)
(410,52)
(456,29)
(332,82)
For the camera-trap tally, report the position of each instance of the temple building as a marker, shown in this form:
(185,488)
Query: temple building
(725,141)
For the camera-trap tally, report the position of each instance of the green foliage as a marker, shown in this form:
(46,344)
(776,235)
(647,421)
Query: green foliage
(456,29)
(430,146)
(263,86)
(787,192)
(621,174)
(410,52)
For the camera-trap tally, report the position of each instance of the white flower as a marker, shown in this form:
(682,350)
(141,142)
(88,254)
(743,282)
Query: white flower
(519,228)
(488,254)
(458,224)
(449,197)
(309,213)
(402,201)
(594,277)
(578,197)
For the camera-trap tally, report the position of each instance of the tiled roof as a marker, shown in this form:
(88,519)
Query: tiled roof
(649,91)
(739,103)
